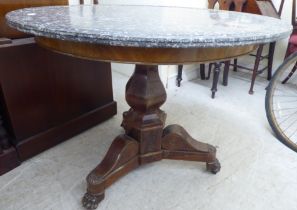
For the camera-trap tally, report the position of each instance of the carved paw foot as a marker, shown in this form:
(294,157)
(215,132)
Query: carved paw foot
(90,201)
(213,167)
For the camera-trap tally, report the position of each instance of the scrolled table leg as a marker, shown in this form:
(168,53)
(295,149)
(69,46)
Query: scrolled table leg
(177,144)
(143,124)
(145,138)
(121,158)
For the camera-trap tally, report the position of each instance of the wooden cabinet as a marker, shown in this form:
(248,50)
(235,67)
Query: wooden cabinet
(46,98)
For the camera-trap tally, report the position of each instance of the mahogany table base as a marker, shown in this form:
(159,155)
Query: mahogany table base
(145,139)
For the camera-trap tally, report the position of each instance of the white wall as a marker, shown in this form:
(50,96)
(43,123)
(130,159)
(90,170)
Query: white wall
(73,2)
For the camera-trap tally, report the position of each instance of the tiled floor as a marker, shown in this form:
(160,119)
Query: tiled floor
(257,173)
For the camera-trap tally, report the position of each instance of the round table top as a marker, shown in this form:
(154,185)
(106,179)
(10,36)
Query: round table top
(149,26)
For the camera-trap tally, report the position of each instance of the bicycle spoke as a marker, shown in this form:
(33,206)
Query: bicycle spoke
(286,90)
(281,103)
(287,118)
(285,109)
(278,117)
(288,101)
(290,125)
(286,96)
(293,134)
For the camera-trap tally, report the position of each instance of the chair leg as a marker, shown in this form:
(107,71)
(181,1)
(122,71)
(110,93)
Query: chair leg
(270,60)
(256,66)
(209,70)
(226,73)
(179,75)
(290,74)
(235,65)
(238,6)
(202,71)
(216,75)
(287,51)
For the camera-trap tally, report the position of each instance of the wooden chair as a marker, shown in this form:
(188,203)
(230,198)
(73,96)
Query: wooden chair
(263,7)
(94,1)
(45,97)
(266,8)
(235,5)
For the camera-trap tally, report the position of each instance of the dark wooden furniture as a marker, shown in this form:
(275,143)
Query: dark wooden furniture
(94,1)
(146,138)
(261,7)
(266,8)
(45,97)
(232,5)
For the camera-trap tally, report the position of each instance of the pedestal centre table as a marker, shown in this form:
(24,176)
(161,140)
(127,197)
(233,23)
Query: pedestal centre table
(146,36)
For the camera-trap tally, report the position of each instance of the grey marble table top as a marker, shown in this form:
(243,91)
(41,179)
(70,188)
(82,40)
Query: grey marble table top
(149,26)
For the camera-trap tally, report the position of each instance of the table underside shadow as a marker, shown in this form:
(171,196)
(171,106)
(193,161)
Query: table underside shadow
(145,139)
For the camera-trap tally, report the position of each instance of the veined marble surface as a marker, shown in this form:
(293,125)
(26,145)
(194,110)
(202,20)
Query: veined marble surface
(149,26)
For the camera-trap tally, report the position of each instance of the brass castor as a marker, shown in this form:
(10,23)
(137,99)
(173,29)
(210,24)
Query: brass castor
(213,167)
(90,201)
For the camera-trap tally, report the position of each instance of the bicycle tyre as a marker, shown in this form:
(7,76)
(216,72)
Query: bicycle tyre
(269,105)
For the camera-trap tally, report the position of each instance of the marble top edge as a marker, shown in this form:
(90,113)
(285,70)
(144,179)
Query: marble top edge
(131,39)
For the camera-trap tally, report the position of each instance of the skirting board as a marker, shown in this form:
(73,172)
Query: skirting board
(8,160)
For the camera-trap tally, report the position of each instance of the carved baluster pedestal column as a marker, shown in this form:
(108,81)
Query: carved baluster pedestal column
(145,138)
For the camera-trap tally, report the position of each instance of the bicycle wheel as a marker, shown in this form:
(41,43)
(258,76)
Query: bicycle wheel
(281,102)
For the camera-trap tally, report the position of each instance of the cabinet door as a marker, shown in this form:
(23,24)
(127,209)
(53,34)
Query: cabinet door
(44,91)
